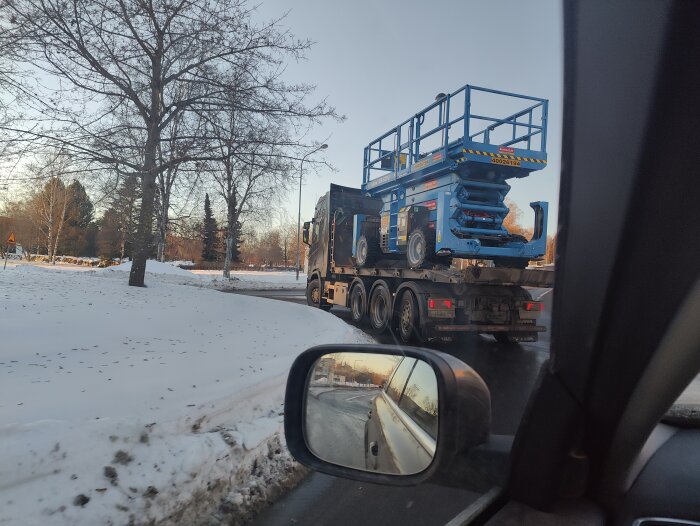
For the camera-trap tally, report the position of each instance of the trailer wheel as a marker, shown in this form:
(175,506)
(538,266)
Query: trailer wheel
(501,337)
(358,303)
(420,248)
(313,295)
(407,318)
(380,308)
(366,252)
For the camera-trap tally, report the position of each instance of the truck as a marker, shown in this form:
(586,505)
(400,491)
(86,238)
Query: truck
(386,250)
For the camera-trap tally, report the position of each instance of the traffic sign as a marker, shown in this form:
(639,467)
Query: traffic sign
(11,239)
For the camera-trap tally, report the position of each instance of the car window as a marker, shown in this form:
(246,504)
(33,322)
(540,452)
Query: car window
(398,381)
(314,232)
(128,316)
(686,408)
(420,398)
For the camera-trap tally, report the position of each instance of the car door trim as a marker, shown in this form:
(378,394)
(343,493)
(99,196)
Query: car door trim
(423,438)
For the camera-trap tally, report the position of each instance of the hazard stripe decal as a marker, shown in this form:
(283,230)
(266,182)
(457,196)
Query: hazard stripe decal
(502,156)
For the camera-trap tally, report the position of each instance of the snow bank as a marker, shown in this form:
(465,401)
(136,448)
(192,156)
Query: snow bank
(136,405)
(181,263)
(152,267)
(213,279)
(257,279)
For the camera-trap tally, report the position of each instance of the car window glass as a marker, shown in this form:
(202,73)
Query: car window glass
(420,398)
(314,232)
(686,408)
(398,381)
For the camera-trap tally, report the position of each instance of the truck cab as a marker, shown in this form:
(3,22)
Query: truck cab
(329,235)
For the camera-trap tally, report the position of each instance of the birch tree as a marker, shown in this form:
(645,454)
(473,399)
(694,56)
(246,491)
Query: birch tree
(48,208)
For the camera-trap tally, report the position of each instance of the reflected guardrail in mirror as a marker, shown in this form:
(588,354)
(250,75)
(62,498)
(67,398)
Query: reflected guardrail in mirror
(373,412)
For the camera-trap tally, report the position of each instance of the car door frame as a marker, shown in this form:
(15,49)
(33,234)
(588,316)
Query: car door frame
(622,170)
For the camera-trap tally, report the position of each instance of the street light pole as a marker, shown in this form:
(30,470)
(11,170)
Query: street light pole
(301,176)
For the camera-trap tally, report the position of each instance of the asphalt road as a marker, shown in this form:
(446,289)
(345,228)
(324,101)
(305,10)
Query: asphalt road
(335,424)
(291,295)
(509,370)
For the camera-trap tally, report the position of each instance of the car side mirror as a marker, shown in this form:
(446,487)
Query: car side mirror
(383,413)
(305,232)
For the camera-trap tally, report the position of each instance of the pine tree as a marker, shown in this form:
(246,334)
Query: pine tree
(209,231)
(118,225)
(109,234)
(78,220)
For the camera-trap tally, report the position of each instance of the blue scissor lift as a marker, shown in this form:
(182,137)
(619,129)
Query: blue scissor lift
(444,197)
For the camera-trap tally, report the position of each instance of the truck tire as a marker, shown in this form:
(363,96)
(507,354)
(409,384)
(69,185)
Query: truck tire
(358,303)
(501,337)
(367,251)
(313,295)
(380,308)
(420,248)
(407,318)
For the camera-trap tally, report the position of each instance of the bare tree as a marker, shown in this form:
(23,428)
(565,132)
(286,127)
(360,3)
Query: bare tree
(551,252)
(49,204)
(270,247)
(153,61)
(512,221)
(175,144)
(252,170)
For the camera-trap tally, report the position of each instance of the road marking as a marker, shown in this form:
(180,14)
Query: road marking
(360,396)
(548,291)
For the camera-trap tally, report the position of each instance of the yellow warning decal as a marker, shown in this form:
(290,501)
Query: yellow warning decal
(502,156)
(505,162)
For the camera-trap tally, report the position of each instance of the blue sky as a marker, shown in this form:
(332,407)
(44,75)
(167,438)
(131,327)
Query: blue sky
(380,61)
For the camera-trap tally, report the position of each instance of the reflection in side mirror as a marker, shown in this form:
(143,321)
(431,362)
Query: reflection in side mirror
(372,412)
(305,232)
(388,414)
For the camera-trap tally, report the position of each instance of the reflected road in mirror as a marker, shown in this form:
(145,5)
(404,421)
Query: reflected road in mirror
(372,412)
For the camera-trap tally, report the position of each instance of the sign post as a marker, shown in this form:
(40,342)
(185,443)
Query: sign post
(11,240)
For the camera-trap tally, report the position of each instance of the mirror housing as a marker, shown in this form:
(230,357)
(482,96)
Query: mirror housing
(464,409)
(305,232)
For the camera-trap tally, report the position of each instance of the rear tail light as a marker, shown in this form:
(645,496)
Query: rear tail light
(533,306)
(440,304)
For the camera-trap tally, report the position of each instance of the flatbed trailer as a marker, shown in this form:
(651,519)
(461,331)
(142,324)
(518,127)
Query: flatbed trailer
(417,304)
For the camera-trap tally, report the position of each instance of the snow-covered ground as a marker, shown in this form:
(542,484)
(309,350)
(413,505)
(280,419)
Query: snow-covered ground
(123,405)
(213,279)
(258,279)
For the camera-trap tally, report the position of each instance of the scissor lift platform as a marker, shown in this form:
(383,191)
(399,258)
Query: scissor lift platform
(461,182)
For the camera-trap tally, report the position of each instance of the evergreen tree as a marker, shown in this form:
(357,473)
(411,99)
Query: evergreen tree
(79,215)
(118,225)
(109,234)
(209,231)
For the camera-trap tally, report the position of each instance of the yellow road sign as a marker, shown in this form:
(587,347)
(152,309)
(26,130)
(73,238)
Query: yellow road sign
(11,239)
